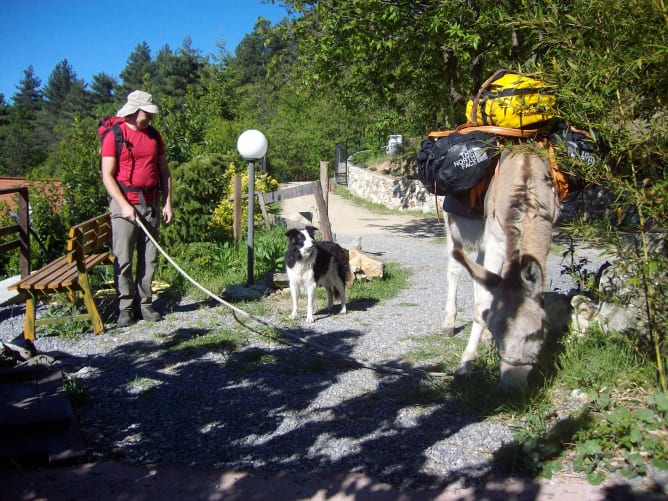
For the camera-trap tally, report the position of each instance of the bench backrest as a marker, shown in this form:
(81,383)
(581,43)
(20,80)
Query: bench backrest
(88,237)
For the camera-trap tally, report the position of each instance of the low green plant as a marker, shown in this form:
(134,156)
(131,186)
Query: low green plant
(217,265)
(620,428)
(269,250)
(59,311)
(628,432)
(76,391)
(252,358)
(577,268)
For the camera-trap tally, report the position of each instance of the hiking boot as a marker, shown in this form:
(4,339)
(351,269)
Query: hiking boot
(149,314)
(125,318)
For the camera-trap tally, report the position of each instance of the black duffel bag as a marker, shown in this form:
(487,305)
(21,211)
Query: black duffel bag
(455,163)
(584,145)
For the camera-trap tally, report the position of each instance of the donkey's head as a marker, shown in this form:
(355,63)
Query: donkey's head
(516,317)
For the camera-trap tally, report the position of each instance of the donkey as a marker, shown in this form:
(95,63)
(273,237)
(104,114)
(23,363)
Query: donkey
(521,207)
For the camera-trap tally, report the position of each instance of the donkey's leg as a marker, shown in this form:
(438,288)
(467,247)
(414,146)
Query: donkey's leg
(491,252)
(452,276)
(464,233)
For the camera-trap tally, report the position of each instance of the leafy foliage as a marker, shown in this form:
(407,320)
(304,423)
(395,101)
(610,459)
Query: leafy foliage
(78,159)
(198,186)
(222,217)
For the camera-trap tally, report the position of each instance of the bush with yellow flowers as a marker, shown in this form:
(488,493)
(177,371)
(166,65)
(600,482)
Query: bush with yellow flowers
(222,219)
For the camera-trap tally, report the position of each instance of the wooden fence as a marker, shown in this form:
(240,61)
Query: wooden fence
(21,229)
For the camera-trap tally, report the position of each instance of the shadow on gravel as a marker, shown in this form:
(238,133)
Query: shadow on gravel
(190,399)
(416,228)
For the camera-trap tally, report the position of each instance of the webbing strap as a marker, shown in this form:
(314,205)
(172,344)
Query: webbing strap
(489,129)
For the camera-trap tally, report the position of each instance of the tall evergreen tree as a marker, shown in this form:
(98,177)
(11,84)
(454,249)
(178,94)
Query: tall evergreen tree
(177,71)
(20,147)
(29,97)
(138,71)
(102,89)
(253,55)
(64,93)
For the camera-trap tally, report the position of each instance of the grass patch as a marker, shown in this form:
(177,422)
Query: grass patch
(395,279)
(252,358)
(221,340)
(597,413)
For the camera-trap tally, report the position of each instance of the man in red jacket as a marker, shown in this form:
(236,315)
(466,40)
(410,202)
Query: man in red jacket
(135,182)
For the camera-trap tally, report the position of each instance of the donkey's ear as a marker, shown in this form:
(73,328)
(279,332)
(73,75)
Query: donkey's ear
(531,276)
(484,277)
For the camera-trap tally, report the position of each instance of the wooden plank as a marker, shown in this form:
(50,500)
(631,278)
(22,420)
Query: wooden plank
(287,193)
(263,208)
(8,230)
(11,245)
(41,274)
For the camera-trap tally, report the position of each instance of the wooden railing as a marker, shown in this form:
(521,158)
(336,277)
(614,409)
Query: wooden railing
(21,229)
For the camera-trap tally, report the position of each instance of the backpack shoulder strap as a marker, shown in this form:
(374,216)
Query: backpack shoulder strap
(153,132)
(118,139)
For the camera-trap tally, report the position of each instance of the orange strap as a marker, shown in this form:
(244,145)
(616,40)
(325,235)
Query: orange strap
(559,179)
(489,129)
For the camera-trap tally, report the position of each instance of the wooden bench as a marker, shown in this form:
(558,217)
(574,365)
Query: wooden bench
(87,247)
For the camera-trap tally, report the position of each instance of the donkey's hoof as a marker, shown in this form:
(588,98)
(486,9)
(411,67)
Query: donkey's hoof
(449,331)
(465,369)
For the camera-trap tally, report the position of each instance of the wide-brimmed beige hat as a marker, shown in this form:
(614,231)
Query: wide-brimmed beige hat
(138,100)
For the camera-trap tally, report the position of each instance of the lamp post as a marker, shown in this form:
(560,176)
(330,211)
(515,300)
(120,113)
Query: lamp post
(252,146)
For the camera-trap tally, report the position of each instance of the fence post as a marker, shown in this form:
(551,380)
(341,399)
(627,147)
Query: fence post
(24,223)
(325,226)
(236,223)
(324,181)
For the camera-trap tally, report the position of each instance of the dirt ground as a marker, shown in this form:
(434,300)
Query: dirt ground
(347,218)
(118,481)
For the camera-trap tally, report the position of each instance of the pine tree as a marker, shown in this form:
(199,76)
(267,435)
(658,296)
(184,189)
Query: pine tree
(138,71)
(20,147)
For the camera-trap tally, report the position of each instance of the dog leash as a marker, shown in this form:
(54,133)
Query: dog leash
(283,332)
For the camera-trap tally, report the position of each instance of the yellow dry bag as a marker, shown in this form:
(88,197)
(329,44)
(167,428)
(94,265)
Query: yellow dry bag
(510,99)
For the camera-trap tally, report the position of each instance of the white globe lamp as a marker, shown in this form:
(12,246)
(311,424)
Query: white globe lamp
(252,145)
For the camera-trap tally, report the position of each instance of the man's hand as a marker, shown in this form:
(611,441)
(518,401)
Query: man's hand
(128,212)
(167,214)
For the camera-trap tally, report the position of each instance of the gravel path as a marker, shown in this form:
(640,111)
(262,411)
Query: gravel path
(153,399)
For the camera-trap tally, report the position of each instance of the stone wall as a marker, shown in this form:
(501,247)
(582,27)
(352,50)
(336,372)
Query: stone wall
(405,194)
(393,193)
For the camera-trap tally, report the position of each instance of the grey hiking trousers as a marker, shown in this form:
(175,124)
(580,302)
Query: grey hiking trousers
(134,290)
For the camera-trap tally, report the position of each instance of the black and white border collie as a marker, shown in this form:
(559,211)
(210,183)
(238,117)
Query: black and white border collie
(310,263)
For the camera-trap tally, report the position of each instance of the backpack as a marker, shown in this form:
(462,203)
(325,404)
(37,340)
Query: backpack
(510,99)
(586,146)
(456,163)
(112,124)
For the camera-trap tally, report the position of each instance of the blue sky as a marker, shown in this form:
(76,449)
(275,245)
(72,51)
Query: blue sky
(98,37)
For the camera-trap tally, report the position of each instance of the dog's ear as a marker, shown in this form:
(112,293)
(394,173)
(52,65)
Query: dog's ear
(311,231)
(291,233)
